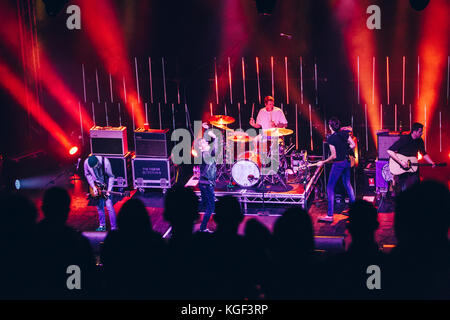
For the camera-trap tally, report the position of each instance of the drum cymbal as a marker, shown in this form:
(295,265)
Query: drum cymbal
(240,138)
(221,119)
(220,126)
(278,132)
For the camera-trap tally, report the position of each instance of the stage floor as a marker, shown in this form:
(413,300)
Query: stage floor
(84,217)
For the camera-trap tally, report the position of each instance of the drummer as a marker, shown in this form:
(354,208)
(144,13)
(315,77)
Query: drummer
(269,116)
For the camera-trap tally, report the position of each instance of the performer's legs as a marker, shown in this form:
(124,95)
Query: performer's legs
(347,183)
(101,212)
(112,213)
(336,171)
(207,192)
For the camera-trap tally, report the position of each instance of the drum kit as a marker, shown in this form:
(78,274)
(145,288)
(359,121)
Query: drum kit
(248,160)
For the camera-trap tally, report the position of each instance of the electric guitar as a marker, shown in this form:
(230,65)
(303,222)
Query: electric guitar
(412,165)
(102,191)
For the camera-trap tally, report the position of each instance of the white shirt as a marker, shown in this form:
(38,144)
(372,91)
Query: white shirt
(265,117)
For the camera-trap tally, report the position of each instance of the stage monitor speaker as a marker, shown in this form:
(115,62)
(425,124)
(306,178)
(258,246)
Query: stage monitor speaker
(151,143)
(108,141)
(385,141)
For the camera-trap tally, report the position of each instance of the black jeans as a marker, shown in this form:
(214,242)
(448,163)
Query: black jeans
(208,203)
(405,180)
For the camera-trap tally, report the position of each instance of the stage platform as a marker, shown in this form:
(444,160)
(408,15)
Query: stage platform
(295,194)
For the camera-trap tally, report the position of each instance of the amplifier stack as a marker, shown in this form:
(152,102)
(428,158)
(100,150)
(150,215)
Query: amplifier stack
(151,165)
(111,143)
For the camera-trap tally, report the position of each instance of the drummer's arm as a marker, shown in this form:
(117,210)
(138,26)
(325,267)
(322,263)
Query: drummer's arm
(282,125)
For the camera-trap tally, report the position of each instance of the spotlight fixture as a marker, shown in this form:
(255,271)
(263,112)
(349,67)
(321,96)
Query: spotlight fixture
(265,7)
(419,5)
(73,150)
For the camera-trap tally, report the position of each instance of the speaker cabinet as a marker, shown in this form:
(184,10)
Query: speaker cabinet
(385,141)
(151,143)
(108,141)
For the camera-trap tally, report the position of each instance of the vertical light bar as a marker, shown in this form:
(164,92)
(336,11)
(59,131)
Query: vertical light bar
(440,131)
(211,109)
(178,93)
(273,83)
(120,116)
(229,80)
(216,81)
(124,89)
(225,107)
(132,115)
(387,79)
(296,127)
(253,110)
(106,115)
(301,80)
(164,79)
(373,80)
(146,113)
(160,118)
(239,112)
(367,129)
(395,117)
(84,83)
(418,79)
(257,76)
(448,77)
(98,89)
(81,123)
(425,127)
(110,88)
(403,81)
(310,129)
(381,116)
(151,78)
(173,116)
(137,79)
(93,113)
(281,105)
(316,87)
(287,79)
(410,118)
(357,67)
(243,80)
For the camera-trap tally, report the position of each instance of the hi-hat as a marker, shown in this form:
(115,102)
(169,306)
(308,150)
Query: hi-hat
(277,132)
(221,119)
(240,138)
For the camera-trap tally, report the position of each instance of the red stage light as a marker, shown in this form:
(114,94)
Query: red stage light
(73,150)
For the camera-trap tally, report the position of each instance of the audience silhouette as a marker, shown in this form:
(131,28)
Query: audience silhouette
(347,274)
(133,256)
(58,246)
(137,263)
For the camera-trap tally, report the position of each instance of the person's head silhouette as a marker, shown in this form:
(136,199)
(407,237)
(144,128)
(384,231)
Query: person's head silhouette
(422,215)
(56,205)
(228,214)
(362,221)
(181,207)
(133,217)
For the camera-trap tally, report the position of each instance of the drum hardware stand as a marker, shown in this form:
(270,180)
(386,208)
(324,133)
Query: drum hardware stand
(263,212)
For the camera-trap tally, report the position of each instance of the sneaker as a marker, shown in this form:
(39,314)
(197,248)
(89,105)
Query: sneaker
(101,228)
(207,231)
(326,218)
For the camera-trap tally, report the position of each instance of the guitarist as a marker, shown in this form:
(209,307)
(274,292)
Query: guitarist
(408,145)
(339,142)
(98,169)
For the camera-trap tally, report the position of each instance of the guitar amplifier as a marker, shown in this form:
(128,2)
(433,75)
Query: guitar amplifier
(385,141)
(121,168)
(108,140)
(151,143)
(152,172)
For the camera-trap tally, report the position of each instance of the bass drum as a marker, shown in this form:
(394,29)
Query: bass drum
(245,173)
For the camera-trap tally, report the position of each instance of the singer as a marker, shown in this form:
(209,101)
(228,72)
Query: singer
(208,174)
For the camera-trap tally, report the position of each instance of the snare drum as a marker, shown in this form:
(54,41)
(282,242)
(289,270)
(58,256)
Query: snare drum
(245,173)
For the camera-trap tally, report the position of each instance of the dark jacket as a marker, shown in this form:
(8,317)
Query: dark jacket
(208,168)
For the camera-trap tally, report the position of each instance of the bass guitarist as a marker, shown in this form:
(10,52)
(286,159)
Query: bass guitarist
(408,145)
(97,169)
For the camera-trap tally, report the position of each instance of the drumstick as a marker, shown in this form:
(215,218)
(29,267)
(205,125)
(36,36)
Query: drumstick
(253,110)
